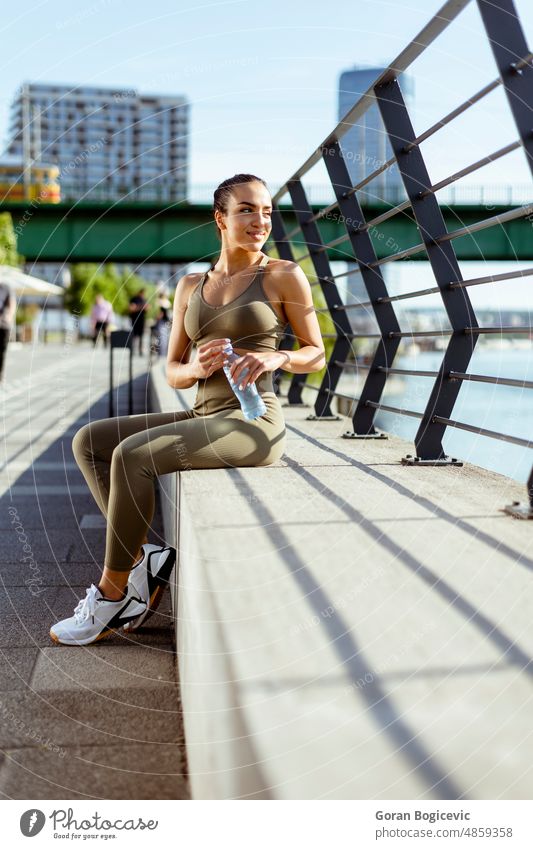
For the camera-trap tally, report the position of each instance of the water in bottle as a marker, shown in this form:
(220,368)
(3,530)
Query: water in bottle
(252,404)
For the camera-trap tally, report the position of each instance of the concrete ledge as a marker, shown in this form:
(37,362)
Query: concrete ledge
(348,627)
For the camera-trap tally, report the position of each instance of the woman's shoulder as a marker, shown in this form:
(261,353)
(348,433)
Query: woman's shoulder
(281,266)
(281,271)
(185,287)
(191,279)
(286,276)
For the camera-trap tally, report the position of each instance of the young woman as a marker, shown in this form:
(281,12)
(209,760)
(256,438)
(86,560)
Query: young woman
(244,297)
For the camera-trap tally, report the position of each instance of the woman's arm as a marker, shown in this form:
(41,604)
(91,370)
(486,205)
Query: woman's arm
(180,372)
(210,356)
(297,300)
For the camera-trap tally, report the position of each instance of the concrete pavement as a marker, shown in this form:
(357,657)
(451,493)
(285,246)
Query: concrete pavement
(102,721)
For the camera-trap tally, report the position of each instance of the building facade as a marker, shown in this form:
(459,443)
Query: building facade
(365,145)
(108,143)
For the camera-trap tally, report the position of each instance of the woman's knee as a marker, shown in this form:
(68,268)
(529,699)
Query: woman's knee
(81,441)
(86,440)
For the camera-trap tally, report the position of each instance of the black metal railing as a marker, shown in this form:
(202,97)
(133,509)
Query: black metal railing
(515,74)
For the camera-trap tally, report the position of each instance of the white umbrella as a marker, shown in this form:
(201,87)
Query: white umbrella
(24,284)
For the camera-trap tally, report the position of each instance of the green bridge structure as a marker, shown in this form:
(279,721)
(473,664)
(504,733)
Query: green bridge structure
(142,231)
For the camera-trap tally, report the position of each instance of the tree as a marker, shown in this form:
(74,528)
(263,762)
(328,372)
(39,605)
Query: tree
(8,242)
(89,279)
(80,294)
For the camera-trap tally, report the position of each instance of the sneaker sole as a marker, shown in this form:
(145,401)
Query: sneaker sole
(87,642)
(156,596)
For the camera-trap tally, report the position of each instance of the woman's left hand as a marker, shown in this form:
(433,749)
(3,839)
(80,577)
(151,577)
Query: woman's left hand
(257,362)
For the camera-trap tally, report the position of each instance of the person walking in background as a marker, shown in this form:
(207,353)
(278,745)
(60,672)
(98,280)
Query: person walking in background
(7,311)
(138,307)
(161,327)
(160,331)
(101,316)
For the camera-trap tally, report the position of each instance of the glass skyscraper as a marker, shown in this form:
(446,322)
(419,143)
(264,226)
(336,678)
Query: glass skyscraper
(365,145)
(365,148)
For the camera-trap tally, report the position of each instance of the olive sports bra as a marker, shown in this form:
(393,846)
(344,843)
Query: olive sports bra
(249,321)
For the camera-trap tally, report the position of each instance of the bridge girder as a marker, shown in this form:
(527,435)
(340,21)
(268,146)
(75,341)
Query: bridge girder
(183,233)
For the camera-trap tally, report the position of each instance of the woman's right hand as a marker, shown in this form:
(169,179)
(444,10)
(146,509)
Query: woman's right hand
(209,358)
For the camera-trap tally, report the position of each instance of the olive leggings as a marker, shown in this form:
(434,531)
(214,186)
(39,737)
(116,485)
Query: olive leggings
(120,458)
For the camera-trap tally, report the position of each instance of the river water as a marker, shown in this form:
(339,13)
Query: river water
(505,409)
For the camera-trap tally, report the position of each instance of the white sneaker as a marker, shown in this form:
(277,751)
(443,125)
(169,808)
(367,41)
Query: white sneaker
(149,577)
(96,617)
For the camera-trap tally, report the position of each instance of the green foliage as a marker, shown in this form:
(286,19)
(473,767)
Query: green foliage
(26,314)
(8,242)
(325,321)
(89,279)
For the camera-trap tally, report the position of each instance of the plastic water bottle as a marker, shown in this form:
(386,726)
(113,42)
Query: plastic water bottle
(252,405)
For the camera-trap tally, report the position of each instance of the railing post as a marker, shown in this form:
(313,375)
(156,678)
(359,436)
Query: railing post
(509,46)
(120,339)
(355,223)
(320,260)
(294,395)
(522,511)
(441,255)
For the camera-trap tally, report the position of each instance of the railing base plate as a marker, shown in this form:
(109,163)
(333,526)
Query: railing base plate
(442,461)
(350,434)
(313,418)
(299,404)
(518,510)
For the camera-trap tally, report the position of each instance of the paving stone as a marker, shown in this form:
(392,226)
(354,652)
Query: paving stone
(56,544)
(47,515)
(41,477)
(38,491)
(104,667)
(93,521)
(135,771)
(89,717)
(48,574)
(16,666)
(23,614)
(115,704)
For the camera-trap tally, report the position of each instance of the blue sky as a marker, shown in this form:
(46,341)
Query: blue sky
(261,78)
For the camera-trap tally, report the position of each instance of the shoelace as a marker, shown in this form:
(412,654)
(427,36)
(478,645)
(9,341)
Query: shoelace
(86,606)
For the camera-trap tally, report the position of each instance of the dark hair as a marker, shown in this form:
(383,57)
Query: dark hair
(224,191)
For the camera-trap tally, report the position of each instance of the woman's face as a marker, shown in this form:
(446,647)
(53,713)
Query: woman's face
(247,223)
